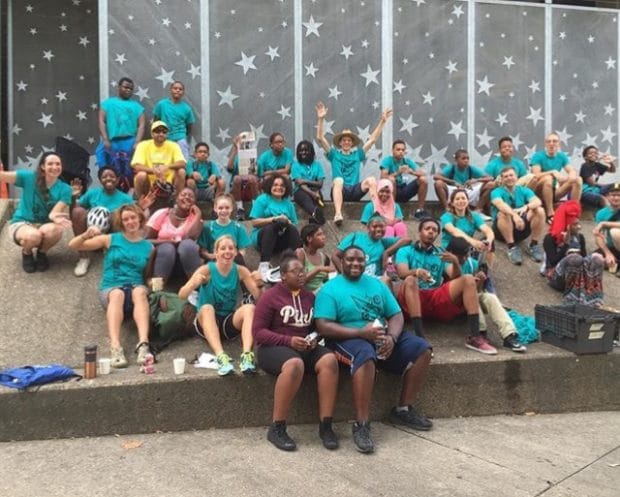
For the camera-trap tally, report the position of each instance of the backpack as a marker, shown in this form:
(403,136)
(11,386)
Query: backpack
(75,161)
(172,318)
(29,376)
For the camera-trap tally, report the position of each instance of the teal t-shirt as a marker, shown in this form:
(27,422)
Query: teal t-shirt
(221,291)
(124,262)
(520,196)
(548,163)
(206,169)
(176,115)
(369,210)
(346,166)
(605,214)
(33,206)
(418,258)
(267,206)
(121,117)
(461,176)
(212,230)
(496,165)
(392,166)
(469,266)
(309,172)
(372,248)
(468,225)
(354,304)
(98,197)
(268,161)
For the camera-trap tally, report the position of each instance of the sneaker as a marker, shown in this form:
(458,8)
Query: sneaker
(361,437)
(480,344)
(81,268)
(420,214)
(240,214)
(277,436)
(117,358)
(143,349)
(410,418)
(248,363)
(224,365)
(29,264)
(512,342)
(327,435)
(43,263)
(515,256)
(338,220)
(536,252)
(263,271)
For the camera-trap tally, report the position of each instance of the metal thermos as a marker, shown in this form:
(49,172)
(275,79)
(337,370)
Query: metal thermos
(90,362)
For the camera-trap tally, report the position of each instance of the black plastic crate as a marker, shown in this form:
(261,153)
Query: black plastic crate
(579,328)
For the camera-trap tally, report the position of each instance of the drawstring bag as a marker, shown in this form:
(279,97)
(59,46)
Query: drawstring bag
(526,327)
(30,376)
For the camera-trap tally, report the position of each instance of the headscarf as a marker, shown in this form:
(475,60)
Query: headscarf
(387,210)
(564,216)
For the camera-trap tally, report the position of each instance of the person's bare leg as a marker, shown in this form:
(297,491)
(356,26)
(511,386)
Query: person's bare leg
(114,316)
(414,379)
(337,196)
(363,383)
(206,318)
(326,370)
(287,385)
(441,190)
(141,312)
(242,320)
(422,191)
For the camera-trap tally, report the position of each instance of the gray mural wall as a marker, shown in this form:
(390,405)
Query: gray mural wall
(459,74)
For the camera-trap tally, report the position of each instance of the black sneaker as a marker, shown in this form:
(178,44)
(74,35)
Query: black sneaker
(512,342)
(28,263)
(43,263)
(327,435)
(420,214)
(410,418)
(240,215)
(318,216)
(361,437)
(277,436)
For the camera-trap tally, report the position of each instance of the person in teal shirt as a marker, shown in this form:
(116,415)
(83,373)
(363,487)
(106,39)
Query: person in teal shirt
(408,178)
(346,157)
(178,115)
(122,290)
(274,221)
(550,182)
(307,175)
(607,229)
(362,322)
(202,175)
(276,160)
(218,283)
(42,213)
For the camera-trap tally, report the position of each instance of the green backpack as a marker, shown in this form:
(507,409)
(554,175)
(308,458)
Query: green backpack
(172,318)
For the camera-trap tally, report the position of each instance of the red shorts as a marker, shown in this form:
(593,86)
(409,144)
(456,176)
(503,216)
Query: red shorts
(435,302)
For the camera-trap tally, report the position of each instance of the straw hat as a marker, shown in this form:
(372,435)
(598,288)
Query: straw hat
(342,134)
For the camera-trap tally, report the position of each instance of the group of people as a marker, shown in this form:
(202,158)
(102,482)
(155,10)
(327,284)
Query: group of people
(362,306)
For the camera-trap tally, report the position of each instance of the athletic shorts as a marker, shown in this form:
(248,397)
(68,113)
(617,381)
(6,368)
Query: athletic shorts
(224,324)
(352,193)
(436,303)
(104,298)
(14,228)
(270,358)
(407,191)
(518,236)
(355,352)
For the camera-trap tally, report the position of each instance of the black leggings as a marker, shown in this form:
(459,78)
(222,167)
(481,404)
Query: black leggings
(271,358)
(275,238)
(308,204)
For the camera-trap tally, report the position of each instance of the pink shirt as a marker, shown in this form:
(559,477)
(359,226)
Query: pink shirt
(160,222)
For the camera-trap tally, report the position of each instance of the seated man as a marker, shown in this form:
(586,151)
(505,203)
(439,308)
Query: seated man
(242,186)
(203,176)
(158,159)
(551,185)
(590,172)
(346,157)
(362,323)
(462,174)
(408,178)
(607,230)
(517,214)
(434,287)
(277,160)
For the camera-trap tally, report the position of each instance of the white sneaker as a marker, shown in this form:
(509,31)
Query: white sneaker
(81,268)
(263,270)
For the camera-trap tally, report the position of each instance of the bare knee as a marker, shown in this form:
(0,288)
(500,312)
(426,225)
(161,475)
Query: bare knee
(293,367)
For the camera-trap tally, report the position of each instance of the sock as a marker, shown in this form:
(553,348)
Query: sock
(239,204)
(279,422)
(473,324)
(510,245)
(417,326)
(402,408)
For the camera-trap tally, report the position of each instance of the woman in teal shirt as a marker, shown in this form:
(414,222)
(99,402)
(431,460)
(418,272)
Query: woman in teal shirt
(43,211)
(122,290)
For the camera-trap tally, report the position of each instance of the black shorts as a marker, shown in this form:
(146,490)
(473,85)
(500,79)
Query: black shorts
(407,191)
(352,193)
(271,358)
(224,324)
(518,236)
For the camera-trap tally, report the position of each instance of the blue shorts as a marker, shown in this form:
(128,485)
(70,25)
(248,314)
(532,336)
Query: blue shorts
(407,191)
(352,193)
(106,157)
(355,352)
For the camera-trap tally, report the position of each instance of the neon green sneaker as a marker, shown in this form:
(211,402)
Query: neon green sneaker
(248,363)
(224,363)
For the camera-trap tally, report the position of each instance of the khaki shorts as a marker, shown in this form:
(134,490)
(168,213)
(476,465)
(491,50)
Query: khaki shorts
(14,228)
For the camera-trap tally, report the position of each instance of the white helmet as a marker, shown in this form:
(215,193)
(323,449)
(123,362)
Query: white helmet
(100,218)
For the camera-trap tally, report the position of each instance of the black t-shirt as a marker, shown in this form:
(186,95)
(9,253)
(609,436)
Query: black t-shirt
(592,170)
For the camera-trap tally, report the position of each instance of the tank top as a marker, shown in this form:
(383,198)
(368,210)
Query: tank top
(319,278)
(221,291)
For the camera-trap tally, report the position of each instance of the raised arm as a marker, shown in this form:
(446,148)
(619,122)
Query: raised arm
(201,276)
(374,136)
(321,112)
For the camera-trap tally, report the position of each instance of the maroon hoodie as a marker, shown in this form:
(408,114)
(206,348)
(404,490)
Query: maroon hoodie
(279,316)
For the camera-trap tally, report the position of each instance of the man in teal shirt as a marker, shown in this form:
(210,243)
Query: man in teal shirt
(178,115)
(607,230)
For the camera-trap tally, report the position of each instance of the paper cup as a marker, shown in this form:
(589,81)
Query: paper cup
(104,366)
(157,284)
(179,365)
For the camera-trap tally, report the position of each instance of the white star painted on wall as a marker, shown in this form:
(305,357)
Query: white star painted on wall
(399,86)
(608,135)
(142,93)
(501,119)
(61,96)
(63,28)
(81,115)
(223,134)
(227,97)
(327,128)
(436,159)
(451,67)
(334,93)
(48,55)
(428,98)
(595,84)
(120,58)
(484,139)
(484,85)
(562,98)
(564,135)
(45,119)
(272,53)
(33,31)
(84,41)
(44,101)
(534,86)
(609,110)
(246,62)
(611,63)
(508,62)
(589,140)
(21,86)
(407,124)
(516,141)
(194,71)
(258,132)
(16,130)
(591,39)
(188,25)
(418,2)
(311,70)
(458,11)
(28,149)
(363,133)
(29,8)
(456,129)
(346,52)
(284,112)
(579,117)
(370,76)
(365,44)
(165,22)
(312,27)
(535,116)
(562,35)
(166,77)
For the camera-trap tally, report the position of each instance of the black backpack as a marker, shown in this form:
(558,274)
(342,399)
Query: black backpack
(74,162)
